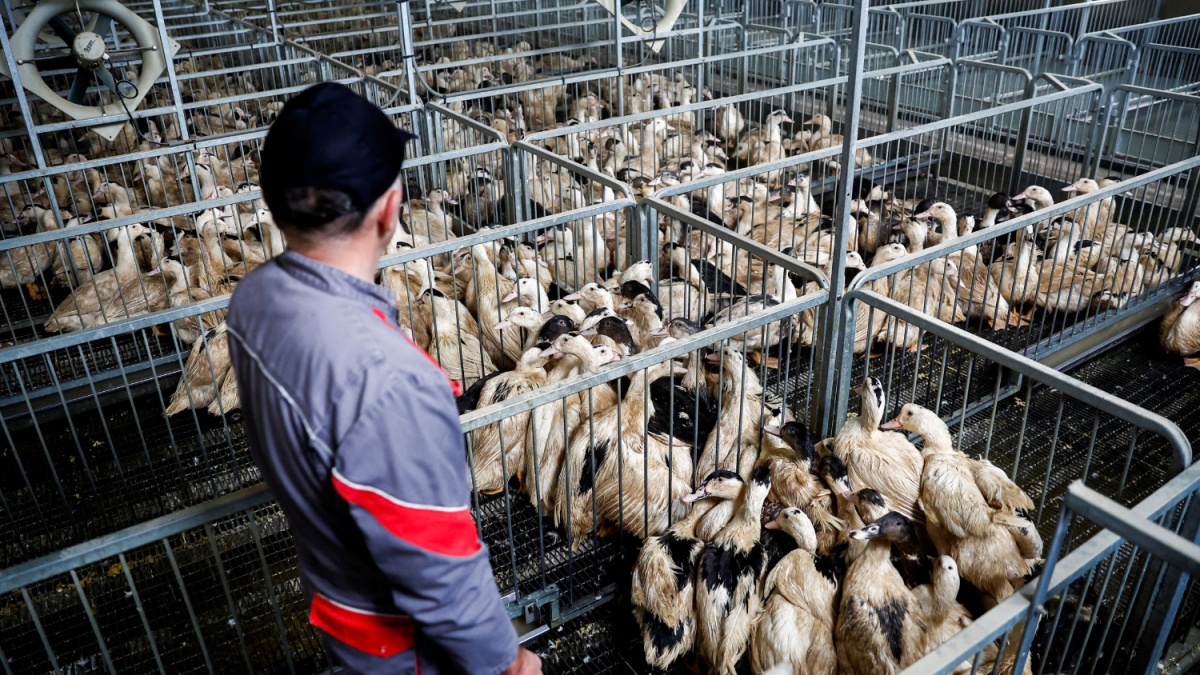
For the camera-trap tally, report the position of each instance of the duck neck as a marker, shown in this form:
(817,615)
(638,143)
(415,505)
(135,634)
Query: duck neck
(126,263)
(686,527)
(936,434)
(944,596)
(872,412)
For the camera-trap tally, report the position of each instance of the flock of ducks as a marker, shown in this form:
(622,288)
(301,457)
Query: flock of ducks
(877,543)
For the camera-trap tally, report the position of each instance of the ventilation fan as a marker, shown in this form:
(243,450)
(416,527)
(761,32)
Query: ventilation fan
(88,53)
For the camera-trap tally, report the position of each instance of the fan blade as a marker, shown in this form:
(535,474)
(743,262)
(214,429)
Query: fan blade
(83,80)
(62,30)
(100,24)
(107,78)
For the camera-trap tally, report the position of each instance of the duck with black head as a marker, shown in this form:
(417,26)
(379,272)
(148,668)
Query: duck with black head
(880,625)
(797,620)
(728,589)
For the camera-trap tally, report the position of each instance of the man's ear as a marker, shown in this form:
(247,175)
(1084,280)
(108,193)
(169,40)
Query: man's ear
(389,215)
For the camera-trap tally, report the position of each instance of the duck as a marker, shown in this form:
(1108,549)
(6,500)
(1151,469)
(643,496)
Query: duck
(26,264)
(854,261)
(1179,332)
(87,304)
(454,343)
(554,423)
(824,138)
(592,296)
(794,479)
(977,296)
(728,123)
(662,590)
(728,592)
(1017,275)
(734,443)
(528,320)
(504,346)
(1036,196)
(974,512)
(1065,283)
(841,493)
(207,366)
(568,308)
(428,219)
(884,460)
(881,626)
(798,616)
(643,308)
(78,258)
(494,461)
(642,480)
(614,332)
(928,288)
(149,292)
(945,617)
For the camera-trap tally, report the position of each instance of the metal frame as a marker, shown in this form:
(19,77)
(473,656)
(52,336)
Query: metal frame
(888,110)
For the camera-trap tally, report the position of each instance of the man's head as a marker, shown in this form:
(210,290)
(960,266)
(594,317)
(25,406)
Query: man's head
(331,167)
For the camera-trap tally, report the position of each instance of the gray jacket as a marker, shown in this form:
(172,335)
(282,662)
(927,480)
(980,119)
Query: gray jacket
(356,431)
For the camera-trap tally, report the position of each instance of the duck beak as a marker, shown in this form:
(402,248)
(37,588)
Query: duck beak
(658,332)
(503,324)
(679,371)
(573,296)
(656,181)
(1071,188)
(860,535)
(923,214)
(451,201)
(1020,196)
(772,429)
(696,496)
(588,333)
(774,197)
(892,425)
(510,297)
(713,358)
(549,352)
(1188,299)
(773,525)
(548,314)
(615,357)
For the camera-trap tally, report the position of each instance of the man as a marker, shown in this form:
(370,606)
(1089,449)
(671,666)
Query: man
(354,427)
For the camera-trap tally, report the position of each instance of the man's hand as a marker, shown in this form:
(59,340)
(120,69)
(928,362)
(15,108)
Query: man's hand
(526,663)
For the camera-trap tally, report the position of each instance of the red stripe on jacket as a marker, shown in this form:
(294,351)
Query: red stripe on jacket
(455,385)
(380,635)
(448,532)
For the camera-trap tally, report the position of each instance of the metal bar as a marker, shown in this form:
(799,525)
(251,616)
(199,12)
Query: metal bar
(827,339)
(187,602)
(141,534)
(1110,515)
(769,255)
(552,394)
(87,607)
(137,601)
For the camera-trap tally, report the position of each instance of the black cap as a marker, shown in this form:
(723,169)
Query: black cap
(330,138)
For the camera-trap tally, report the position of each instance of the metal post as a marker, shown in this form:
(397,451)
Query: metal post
(408,53)
(828,357)
(26,116)
(1159,616)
